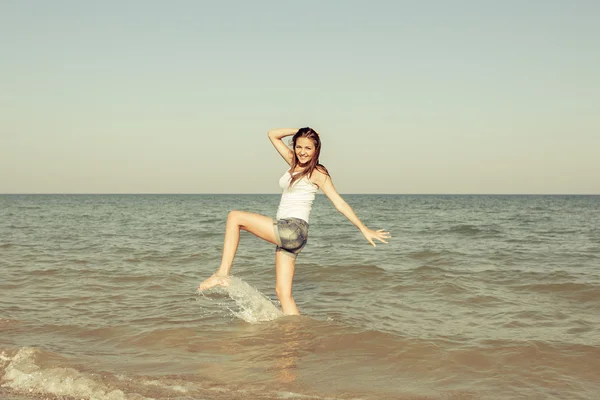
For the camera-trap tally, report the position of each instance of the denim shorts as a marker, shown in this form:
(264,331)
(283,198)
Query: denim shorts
(291,234)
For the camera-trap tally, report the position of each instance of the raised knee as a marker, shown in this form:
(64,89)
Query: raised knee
(233,216)
(235,219)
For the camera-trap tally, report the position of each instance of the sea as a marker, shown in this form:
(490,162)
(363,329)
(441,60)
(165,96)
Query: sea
(474,297)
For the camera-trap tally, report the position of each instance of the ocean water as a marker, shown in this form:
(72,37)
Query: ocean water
(475,297)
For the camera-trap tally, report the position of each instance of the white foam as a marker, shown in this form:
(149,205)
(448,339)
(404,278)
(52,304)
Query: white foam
(175,388)
(219,389)
(22,374)
(4,357)
(292,395)
(253,306)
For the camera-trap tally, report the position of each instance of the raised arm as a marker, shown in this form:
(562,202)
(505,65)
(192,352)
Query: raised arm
(326,185)
(275,135)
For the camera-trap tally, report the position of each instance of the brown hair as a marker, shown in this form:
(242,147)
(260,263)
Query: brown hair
(308,133)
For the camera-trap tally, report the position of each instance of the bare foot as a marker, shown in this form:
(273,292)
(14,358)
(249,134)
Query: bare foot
(214,280)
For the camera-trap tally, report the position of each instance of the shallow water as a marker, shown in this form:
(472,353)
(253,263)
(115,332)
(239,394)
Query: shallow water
(475,297)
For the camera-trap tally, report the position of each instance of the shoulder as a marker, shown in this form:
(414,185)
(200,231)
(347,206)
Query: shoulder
(319,176)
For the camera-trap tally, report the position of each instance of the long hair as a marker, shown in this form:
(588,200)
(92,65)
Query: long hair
(313,164)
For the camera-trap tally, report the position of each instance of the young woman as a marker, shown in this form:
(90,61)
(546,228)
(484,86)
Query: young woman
(290,229)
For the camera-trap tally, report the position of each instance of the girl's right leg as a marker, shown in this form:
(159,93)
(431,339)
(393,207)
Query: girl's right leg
(257,224)
(285,266)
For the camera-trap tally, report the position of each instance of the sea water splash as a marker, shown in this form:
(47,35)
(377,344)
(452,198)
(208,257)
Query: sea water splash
(252,305)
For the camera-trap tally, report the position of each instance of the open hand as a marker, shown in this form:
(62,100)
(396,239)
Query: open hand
(380,235)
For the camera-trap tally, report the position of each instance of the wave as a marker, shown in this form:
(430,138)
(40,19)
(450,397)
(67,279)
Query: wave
(278,348)
(559,287)
(424,255)
(438,258)
(31,372)
(583,292)
(343,272)
(445,289)
(23,374)
(516,275)
(465,229)
(484,301)
(427,269)
(475,230)
(6,322)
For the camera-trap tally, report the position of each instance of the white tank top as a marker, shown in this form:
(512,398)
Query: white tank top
(296,202)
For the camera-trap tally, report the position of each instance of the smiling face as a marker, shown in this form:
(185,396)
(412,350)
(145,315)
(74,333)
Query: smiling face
(305,150)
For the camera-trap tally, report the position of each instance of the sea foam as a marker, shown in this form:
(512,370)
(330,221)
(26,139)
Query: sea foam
(24,375)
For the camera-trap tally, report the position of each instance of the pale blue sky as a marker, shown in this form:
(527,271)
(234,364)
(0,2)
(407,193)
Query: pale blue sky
(410,97)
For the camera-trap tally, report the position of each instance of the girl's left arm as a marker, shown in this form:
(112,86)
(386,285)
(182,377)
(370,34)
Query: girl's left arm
(326,185)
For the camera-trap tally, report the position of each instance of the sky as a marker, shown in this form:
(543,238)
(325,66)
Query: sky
(428,97)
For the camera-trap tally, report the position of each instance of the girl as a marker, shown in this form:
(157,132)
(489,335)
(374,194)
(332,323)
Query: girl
(290,229)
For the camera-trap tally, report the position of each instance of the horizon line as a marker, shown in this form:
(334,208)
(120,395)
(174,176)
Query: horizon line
(273,194)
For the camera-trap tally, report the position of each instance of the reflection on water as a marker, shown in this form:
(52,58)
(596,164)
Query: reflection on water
(286,356)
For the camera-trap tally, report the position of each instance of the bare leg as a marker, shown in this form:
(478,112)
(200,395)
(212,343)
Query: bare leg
(284,268)
(257,224)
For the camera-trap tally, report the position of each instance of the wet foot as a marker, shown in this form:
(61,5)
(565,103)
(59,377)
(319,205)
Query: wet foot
(214,280)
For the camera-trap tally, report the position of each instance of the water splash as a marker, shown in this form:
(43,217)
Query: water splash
(251,305)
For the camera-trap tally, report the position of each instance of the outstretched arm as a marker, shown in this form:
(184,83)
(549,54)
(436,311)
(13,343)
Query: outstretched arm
(326,185)
(275,135)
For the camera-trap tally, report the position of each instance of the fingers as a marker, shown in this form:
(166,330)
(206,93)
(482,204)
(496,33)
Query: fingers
(383,234)
(380,234)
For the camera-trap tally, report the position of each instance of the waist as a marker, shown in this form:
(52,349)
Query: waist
(294,210)
(295,221)
(290,213)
